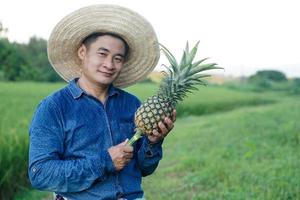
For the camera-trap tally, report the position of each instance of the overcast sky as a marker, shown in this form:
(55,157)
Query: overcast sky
(241,36)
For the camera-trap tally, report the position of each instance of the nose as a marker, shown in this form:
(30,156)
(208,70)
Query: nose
(108,64)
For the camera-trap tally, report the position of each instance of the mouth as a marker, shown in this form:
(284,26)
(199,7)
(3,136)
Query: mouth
(108,74)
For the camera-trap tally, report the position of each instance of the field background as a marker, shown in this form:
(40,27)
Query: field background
(227,143)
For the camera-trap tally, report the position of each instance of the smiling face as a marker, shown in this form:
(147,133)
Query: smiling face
(102,60)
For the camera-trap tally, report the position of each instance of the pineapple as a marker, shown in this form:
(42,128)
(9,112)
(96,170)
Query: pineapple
(177,82)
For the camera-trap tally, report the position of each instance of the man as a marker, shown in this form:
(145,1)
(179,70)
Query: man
(78,134)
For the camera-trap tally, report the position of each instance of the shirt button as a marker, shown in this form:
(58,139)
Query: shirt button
(149,153)
(34,169)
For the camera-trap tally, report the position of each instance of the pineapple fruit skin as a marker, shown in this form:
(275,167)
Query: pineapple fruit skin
(152,111)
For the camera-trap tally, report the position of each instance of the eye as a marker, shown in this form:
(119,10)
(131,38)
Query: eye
(102,53)
(118,59)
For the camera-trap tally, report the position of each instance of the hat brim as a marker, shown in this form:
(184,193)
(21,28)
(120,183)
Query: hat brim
(68,34)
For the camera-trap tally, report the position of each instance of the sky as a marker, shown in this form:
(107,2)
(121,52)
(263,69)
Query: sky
(242,36)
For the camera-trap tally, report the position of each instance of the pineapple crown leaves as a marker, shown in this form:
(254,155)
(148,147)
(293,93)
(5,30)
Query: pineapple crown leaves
(182,77)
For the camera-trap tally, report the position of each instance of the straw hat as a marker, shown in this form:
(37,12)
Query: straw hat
(69,33)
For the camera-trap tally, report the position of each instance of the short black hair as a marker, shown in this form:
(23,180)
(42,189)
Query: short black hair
(93,37)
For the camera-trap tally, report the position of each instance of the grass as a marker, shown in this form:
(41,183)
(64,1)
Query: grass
(18,101)
(210,99)
(30,194)
(248,152)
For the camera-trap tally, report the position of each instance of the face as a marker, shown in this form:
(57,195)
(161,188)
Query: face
(103,60)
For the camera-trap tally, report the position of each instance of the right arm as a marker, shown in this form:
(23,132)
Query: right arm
(47,169)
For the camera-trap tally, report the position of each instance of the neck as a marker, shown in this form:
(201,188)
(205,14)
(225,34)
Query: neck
(96,90)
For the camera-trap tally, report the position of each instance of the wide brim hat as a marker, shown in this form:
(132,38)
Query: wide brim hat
(68,34)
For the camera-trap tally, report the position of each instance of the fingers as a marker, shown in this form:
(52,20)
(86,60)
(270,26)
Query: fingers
(168,124)
(121,154)
(123,143)
(128,156)
(162,128)
(125,159)
(174,115)
(166,127)
(155,133)
(155,136)
(127,152)
(127,149)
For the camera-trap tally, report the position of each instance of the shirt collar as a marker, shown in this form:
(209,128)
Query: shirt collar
(112,91)
(76,91)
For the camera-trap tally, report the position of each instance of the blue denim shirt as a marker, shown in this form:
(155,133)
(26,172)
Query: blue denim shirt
(70,134)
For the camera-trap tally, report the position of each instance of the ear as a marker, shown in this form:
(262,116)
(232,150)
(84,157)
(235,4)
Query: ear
(82,52)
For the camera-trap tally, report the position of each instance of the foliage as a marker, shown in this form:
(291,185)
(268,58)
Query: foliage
(269,75)
(289,87)
(25,61)
(2,29)
(267,80)
(11,62)
(295,88)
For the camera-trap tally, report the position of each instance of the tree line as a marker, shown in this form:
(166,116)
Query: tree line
(25,61)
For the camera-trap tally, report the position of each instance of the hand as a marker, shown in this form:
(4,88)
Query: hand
(164,128)
(121,154)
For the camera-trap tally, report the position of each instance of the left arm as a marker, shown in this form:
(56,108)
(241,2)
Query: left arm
(150,151)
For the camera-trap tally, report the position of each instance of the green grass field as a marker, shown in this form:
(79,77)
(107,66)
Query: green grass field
(226,144)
